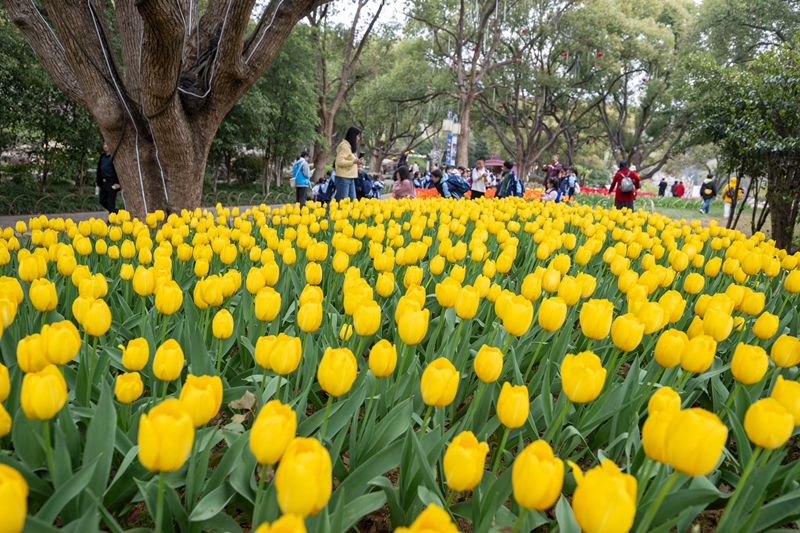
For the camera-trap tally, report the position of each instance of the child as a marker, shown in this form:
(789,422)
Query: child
(552,192)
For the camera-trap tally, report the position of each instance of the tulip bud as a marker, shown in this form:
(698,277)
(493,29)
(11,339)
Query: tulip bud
(267,304)
(337,371)
(144,281)
(670,346)
(434,519)
(412,325)
(128,387)
(345,332)
(749,363)
(201,396)
(61,341)
(385,284)
(768,424)
(698,354)
(96,319)
(168,361)
(309,317)
(439,383)
(664,399)
(766,326)
(367,318)
(626,332)
(447,292)
(166,435)
(488,363)
(513,405)
(787,393)
(552,313)
(595,318)
(303,479)
(464,462)
(785,351)
(537,476)
(31,353)
(654,433)
(582,377)
(273,429)
(222,324)
(605,499)
(383,358)
(694,441)
(43,296)
(13,499)
(43,393)
(5,383)
(694,283)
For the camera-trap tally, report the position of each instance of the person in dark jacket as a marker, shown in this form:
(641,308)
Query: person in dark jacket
(511,184)
(442,184)
(107,180)
(708,191)
(662,187)
(622,198)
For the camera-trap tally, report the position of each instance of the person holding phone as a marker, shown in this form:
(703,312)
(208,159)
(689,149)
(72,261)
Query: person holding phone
(346,164)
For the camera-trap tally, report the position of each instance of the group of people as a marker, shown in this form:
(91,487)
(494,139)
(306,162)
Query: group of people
(560,182)
(731,193)
(677,190)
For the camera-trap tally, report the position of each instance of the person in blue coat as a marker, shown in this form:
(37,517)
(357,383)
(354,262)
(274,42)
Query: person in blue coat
(511,184)
(301,172)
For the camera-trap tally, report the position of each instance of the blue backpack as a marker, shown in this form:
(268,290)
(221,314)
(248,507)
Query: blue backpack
(457,184)
(326,192)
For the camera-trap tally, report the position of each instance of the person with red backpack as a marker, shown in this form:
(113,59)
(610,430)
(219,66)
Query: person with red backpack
(625,182)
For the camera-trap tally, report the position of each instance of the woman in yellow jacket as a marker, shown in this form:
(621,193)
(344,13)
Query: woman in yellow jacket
(729,192)
(346,164)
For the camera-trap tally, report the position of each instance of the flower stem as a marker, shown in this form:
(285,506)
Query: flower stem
(535,358)
(651,512)
(450,497)
(500,450)
(740,486)
(144,313)
(474,405)
(552,429)
(160,502)
(369,410)
(48,448)
(278,387)
(425,420)
(522,514)
(259,495)
(219,355)
(325,420)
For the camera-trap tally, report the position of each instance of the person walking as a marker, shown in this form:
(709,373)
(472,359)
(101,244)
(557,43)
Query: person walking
(708,191)
(107,180)
(403,186)
(731,194)
(301,172)
(479,175)
(679,190)
(511,185)
(625,182)
(346,164)
(662,187)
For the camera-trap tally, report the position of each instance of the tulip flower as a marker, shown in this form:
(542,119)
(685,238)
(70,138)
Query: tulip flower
(273,429)
(768,424)
(595,318)
(385,284)
(169,298)
(694,283)
(166,435)
(582,377)
(552,313)
(664,399)
(605,499)
(488,363)
(531,287)
(5,383)
(43,296)
(694,441)
(43,393)
(383,358)
(669,347)
(653,316)
(753,303)
(787,393)
(337,371)
(61,342)
(32,353)
(654,433)
(674,304)
(537,476)
(313,273)
(5,422)
(464,462)
(698,354)
(309,317)
(144,281)
(434,519)
(785,351)
(447,292)
(280,353)
(766,326)
(96,320)
(626,332)
(412,325)
(168,361)
(136,354)
(413,276)
(749,363)
(267,304)
(201,397)
(792,282)
(513,405)
(222,324)
(345,332)
(303,479)
(367,318)
(288,523)
(13,499)
(695,328)
(128,387)
(439,383)
(569,290)
(467,301)
(717,324)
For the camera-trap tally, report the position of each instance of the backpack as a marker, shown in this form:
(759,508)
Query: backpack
(731,193)
(295,170)
(559,193)
(564,186)
(572,180)
(326,192)
(626,183)
(457,184)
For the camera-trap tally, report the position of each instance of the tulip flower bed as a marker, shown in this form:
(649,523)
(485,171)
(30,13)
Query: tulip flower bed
(415,365)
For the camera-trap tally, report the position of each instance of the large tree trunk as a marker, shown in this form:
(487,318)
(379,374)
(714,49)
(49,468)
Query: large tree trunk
(462,149)
(783,197)
(182,74)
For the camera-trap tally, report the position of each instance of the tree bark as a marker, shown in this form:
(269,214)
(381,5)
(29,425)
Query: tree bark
(783,196)
(181,77)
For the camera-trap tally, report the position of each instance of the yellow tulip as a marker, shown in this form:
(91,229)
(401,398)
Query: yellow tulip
(694,441)
(43,393)
(309,317)
(653,316)
(168,361)
(273,429)
(488,363)
(749,363)
(437,265)
(669,347)
(654,434)
(464,462)
(413,325)
(664,399)
(467,301)
(280,353)
(698,354)
(96,319)
(32,353)
(5,426)
(447,292)
(768,424)
(595,318)
(434,519)
(288,523)
(674,304)
(439,383)
(128,387)
(5,383)
(695,328)
(43,295)
(569,290)
(552,313)
(551,279)
(537,476)
(383,358)
(792,282)
(367,318)
(337,371)
(61,342)
(166,435)
(766,326)
(303,479)
(201,397)
(313,274)
(785,351)
(385,284)
(267,304)
(717,324)
(582,377)
(694,283)
(95,286)
(531,287)
(136,354)
(413,276)
(13,499)
(144,281)
(513,405)
(519,314)
(787,393)
(626,332)
(605,499)
(222,324)
(169,298)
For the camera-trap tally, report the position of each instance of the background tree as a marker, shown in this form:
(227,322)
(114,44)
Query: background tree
(160,97)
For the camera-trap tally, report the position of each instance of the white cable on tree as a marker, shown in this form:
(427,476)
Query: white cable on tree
(214,63)
(265,31)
